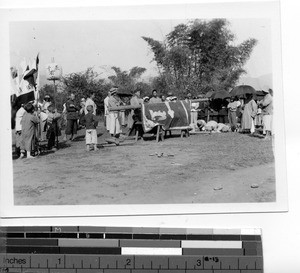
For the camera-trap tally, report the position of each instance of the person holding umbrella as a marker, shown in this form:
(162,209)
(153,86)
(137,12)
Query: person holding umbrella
(266,105)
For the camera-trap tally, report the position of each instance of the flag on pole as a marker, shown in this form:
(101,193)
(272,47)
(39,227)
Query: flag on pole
(27,89)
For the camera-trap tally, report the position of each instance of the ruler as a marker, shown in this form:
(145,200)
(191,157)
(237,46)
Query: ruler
(76,249)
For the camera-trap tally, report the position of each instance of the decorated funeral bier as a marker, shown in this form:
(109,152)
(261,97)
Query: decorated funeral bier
(170,115)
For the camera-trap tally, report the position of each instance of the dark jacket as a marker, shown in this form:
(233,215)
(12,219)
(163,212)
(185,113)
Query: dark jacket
(72,109)
(90,121)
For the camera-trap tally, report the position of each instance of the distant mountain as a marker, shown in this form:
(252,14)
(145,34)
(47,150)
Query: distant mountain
(259,83)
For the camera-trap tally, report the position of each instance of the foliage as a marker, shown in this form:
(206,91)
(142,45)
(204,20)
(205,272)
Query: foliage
(82,83)
(198,57)
(128,81)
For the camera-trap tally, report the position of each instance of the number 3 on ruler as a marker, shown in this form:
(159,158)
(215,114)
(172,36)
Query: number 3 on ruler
(199,262)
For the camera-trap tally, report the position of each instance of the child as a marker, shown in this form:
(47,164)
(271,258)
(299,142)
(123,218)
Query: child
(29,123)
(52,126)
(90,122)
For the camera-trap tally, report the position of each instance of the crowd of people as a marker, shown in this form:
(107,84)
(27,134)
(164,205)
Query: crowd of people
(36,122)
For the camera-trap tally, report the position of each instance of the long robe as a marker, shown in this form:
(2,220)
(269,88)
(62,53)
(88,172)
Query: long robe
(249,113)
(267,113)
(106,113)
(114,117)
(29,122)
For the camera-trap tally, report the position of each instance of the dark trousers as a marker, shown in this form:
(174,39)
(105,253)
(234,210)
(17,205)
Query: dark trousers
(71,127)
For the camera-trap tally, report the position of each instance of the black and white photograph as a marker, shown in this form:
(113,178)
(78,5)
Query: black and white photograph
(180,109)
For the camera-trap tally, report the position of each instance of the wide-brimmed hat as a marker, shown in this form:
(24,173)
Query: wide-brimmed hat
(113,90)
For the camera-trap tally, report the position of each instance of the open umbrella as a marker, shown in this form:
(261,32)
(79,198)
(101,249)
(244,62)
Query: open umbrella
(242,90)
(124,93)
(259,95)
(221,95)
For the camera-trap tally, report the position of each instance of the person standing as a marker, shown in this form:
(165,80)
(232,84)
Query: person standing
(155,98)
(232,108)
(135,114)
(90,122)
(52,127)
(249,110)
(194,112)
(18,128)
(43,116)
(106,112)
(72,117)
(29,124)
(115,126)
(81,111)
(266,105)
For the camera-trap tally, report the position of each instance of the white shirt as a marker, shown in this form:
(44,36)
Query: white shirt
(106,112)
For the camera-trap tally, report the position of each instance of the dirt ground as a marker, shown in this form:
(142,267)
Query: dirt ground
(202,168)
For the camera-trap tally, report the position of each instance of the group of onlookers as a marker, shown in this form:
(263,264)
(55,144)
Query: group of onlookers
(34,122)
(258,113)
(245,115)
(253,114)
(37,122)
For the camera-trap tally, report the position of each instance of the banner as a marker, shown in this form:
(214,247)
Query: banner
(171,115)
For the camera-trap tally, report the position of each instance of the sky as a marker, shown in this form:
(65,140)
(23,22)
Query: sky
(77,45)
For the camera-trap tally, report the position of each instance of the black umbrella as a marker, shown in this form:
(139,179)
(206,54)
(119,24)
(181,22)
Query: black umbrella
(259,95)
(242,90)
(124,93)
(221,95)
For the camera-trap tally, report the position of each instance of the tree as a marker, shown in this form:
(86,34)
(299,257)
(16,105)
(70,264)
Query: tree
(82,83)
(128,81)
(200,56)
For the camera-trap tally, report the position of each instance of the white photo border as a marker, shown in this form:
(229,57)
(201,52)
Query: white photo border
(230,10)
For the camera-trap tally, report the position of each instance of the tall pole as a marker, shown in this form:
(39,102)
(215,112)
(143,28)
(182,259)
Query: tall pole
(54,93)
(55,107)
